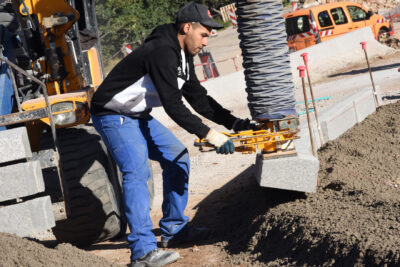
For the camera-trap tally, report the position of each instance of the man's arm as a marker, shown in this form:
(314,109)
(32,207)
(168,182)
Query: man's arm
(161,66)
(204,104)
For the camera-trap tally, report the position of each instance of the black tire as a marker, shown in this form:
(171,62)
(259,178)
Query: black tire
(382,35)
(92,189)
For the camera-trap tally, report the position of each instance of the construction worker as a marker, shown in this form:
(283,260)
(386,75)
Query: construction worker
(159,73)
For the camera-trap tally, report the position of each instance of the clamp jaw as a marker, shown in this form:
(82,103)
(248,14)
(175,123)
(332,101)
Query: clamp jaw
(271,137)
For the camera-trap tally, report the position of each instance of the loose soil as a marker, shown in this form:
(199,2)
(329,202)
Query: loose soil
(353,219)
(16,251)
(393,42)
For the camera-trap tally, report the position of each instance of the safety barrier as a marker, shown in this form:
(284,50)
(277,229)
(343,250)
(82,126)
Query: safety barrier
(232,17)
(225,10)
(394,18)
(209,64)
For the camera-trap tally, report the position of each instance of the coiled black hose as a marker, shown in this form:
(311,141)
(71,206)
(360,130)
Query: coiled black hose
(269,82)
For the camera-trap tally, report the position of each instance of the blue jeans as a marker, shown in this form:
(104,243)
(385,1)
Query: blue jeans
(131,143)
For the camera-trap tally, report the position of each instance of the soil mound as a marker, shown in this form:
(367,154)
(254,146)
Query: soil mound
(393,42)
(353,219)
(16,251)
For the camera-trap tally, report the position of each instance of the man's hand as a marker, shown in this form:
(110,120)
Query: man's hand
(243,125)
(222,143)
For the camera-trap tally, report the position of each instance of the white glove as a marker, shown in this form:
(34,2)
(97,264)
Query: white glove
(215,138)
(223,144)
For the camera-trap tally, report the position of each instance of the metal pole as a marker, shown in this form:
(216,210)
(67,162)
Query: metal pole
(211,70)
(15,89)
(305,58)
(364,47)
(205,74)
(45,94)
(301,70)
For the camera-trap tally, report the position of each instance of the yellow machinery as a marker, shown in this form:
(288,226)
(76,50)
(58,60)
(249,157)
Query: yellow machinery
(58,62)
(271,138)
(56,71)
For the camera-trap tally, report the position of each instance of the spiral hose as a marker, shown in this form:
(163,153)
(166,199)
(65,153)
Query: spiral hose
(269,82)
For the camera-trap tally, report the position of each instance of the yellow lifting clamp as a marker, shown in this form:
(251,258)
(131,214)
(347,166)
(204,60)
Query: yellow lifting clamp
(273,138)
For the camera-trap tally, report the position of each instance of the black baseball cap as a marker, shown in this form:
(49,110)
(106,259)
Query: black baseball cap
(193,12)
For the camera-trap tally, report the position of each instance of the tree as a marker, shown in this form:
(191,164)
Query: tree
(131,21)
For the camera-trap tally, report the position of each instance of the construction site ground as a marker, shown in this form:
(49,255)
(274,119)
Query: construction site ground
(352,219)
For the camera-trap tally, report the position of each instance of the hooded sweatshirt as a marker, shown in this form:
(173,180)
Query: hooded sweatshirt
(159,73)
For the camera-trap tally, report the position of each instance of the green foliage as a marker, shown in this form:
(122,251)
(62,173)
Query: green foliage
(286,3)
(215,3)
(221,21)
(131,21)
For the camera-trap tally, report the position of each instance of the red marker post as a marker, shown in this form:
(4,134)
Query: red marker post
(302,74)
(364,47)
(305,59)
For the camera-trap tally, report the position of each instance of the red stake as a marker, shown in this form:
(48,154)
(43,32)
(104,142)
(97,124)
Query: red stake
(305,59)
(302,74)
(364,47)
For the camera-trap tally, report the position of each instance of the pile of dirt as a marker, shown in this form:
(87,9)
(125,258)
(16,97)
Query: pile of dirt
(375,6)
(352,219)
(393,42)
(17,251)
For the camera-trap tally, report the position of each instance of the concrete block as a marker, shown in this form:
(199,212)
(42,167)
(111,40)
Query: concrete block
(365,105)
(300,173)
(345,114)
(303,144)
(20,180)
(337,119)
(14,145)
(27,218)
(344,119)
(297,173)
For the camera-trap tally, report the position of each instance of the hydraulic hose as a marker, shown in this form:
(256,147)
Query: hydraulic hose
(266,62)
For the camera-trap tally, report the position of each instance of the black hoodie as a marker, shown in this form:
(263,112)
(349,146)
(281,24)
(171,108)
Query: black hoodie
(159,73)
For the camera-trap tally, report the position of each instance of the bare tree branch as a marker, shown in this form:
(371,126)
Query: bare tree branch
(214,9)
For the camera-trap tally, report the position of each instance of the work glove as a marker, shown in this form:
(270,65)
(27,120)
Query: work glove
(222,143)
(243,125)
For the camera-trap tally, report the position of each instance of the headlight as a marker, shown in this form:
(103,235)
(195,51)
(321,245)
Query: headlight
(71,116)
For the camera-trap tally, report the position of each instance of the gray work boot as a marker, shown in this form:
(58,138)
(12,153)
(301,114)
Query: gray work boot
(156,257)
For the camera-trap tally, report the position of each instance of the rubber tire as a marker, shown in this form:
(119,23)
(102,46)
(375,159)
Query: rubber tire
(92,189)
(382,31)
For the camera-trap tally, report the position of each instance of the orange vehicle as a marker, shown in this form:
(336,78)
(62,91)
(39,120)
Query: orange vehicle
(307,27)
